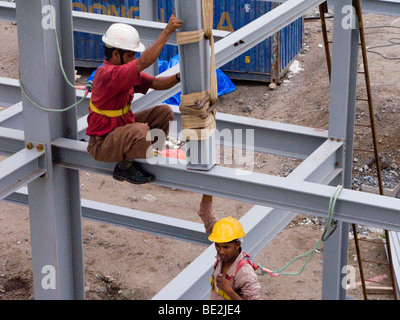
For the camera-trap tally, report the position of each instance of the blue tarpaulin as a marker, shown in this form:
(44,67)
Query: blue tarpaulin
(225,85)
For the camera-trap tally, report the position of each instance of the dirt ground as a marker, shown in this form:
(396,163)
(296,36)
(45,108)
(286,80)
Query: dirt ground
(125,264)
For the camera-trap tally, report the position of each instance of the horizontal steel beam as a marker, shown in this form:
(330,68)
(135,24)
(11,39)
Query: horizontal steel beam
(156,224)
(384,7)
(11,141)
(269,137)
(284,193)
(20,169)
(10,92)
(260,29)
(12,117)
(148,30)
(238,42)
(7,11)
(321,161)
(98,24)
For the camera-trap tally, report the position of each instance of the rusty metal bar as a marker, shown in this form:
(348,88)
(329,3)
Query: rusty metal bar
(323,8)
(357,6)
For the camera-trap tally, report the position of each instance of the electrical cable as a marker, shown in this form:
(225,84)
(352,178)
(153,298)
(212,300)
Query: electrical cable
(326,234)
(88,86)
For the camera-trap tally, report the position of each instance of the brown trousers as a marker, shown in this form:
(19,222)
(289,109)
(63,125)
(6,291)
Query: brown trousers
(130,141)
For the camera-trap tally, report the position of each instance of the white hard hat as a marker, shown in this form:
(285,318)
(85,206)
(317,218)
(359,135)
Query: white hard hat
(123,36)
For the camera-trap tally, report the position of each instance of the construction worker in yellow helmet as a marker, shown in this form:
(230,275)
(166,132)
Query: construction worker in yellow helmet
(233,277)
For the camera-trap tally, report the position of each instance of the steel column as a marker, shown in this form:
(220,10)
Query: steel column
(194,64)
(148,11)
(341,126)
(55,213)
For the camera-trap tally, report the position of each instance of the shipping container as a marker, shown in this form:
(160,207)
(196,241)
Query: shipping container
(267,62)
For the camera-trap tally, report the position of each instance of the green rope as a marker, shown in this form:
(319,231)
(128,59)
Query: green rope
(62,71)
(327,233)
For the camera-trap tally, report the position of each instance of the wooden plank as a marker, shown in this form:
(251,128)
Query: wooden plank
(380,290)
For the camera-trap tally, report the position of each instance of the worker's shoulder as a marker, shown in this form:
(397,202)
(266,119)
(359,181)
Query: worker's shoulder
(245,269)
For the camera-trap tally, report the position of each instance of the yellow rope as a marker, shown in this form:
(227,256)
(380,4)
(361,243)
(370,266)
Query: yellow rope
(198,109)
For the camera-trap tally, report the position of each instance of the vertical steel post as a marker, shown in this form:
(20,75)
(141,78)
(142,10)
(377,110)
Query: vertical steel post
(54,200)
(341,127)
(194,64)
(148,11)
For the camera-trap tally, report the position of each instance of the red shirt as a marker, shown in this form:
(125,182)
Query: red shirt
(113,88)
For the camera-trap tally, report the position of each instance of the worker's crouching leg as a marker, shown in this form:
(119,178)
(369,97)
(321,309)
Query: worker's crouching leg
(207,213)
(127,142)
(157,118)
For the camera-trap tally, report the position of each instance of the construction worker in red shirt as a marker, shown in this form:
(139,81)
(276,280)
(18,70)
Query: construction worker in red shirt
(234,276)
(116,133)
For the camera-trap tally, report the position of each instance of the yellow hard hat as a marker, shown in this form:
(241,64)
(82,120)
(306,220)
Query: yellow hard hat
(226,230)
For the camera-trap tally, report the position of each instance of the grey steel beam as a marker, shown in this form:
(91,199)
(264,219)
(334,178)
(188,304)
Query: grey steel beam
(194,64)
(384,7)
(11,141)
(146,222)
(10,92)
(276,192)
(394,238)
(260,29)
(55,213)
(269,137)
(239,42)
(341,126)
(156,224)
(7,11)
(320,166)
(98,23)
(12,117)
(20,169)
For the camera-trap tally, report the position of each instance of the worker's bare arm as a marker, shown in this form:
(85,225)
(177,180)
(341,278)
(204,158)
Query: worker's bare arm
(164,83)
(149,56)
(227,286)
